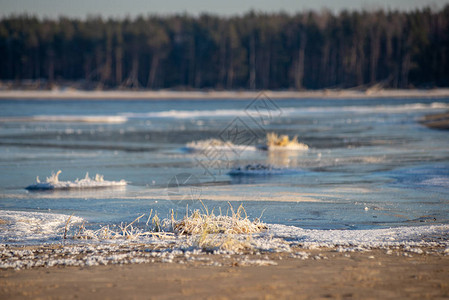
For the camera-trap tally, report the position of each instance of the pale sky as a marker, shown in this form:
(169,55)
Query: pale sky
(122,8)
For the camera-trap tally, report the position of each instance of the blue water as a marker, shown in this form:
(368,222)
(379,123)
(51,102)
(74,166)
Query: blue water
(370,163)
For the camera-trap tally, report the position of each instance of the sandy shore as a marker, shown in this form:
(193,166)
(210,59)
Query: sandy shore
(375,274)
(167,94)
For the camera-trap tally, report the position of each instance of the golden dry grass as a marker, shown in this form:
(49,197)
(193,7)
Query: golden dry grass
(208,231)
(275,141)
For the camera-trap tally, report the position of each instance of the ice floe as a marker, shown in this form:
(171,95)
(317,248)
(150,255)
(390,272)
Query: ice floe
(52,183)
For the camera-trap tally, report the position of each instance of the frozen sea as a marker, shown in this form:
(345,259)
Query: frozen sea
(370,165)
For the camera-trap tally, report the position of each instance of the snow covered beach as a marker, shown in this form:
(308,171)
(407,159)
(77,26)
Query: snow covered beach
(21,229)
(370,187)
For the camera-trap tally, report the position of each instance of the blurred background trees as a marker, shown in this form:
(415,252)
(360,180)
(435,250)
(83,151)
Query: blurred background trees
(255,51)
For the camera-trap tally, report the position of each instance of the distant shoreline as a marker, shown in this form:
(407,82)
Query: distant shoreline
(189,95)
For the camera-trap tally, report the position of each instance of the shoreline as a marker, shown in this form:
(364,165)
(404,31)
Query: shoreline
(210,95)
(310,273)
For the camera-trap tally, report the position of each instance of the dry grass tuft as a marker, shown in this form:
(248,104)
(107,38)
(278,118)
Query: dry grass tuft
(209,223)
(275,141)
(66,228)
(209,231)
(219,232)
(124,231)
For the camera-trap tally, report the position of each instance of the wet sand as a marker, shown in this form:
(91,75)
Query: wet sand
(170,94)
(375,274)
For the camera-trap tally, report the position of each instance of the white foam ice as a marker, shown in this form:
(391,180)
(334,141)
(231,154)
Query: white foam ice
(81,119)
(24,227)
(289,111)
(400,108)
(53,183)
(227,146)
(185,114)
(442,181)
(398,236)
(69,119)
(216,145)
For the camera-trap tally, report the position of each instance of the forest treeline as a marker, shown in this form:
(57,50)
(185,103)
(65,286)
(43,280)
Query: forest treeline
(308,50)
